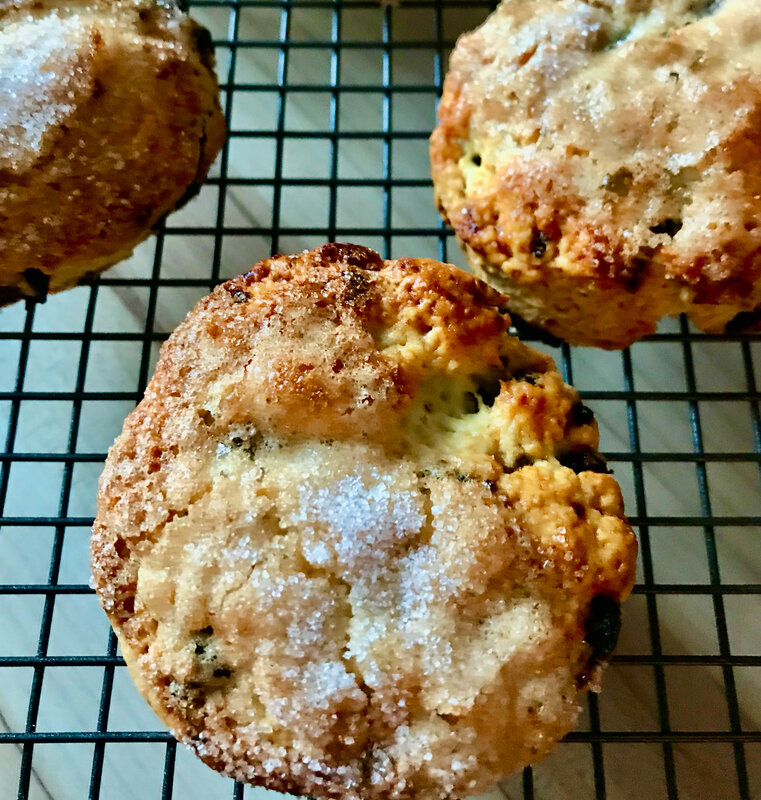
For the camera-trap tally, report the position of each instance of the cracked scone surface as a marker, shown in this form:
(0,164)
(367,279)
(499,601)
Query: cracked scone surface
(356,540)
(599,162)
(109,118)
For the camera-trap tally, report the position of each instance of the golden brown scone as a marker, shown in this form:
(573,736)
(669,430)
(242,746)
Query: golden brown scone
(356,540)
(109,118)
(600,162)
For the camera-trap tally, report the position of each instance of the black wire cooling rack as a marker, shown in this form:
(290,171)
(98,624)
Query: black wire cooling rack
(329,105)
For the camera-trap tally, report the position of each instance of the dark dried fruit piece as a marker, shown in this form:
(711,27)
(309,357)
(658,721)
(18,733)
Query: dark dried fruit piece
(580,415)
(204,46)
(527,377)
(238,295)
(248,441)
(602,627)
(619,182)
(201,642)
(743,321)
(39,283)
(222,672)
(522,461)
(539,242)
(668,226)
(584,461)
(529,332)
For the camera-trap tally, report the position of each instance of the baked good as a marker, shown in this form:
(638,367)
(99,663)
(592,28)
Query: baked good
(356,541)
(109,119)
(600,162)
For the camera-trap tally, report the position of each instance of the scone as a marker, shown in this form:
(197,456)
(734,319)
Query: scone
(109,118)
(601,162)
(356,541)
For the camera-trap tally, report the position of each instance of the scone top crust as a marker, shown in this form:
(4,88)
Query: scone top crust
(109,118)
(617,140)
(54,53)
(337,539)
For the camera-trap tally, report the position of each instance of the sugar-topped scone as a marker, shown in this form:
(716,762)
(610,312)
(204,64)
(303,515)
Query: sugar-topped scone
(109,118)
(356,541)
(601,162)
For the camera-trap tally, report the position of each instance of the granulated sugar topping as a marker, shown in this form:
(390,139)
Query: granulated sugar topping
(365,521)
(37,60)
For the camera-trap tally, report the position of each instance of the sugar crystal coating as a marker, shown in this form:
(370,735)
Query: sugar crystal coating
(35,57)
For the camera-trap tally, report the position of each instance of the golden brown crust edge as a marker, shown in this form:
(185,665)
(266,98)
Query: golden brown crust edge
(164,428)
(606,300)
(525,228)
(163,126)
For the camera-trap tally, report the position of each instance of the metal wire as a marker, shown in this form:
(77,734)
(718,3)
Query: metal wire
(637,458)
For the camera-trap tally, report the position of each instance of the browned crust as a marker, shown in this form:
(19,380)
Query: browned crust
(334,276)
(356,384)
(588,272)
(145,129)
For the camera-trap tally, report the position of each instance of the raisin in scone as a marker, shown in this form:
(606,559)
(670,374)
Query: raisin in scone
(109,119)
(356,541)
(601,162)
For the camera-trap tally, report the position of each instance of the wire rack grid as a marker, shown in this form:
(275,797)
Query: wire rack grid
(329,104)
